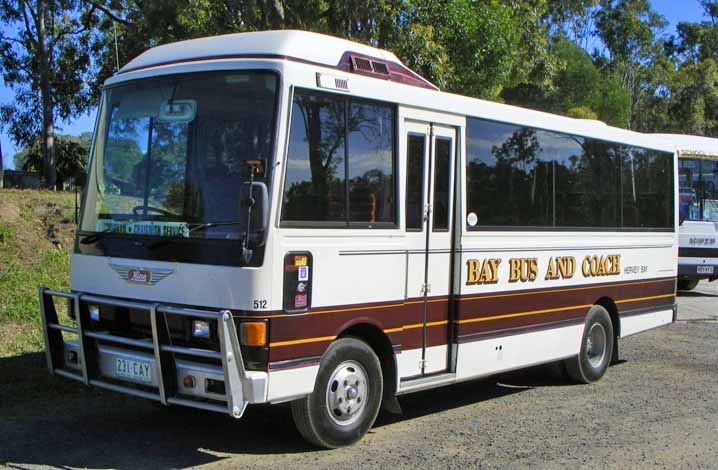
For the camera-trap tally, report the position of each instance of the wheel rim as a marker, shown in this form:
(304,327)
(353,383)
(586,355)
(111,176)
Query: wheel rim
(596,345)
(347,393)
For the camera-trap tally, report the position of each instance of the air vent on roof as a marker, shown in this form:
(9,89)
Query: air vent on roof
(362,64)
(380,67)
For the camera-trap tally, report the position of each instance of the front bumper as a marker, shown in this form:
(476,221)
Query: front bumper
(94,357)
(697,268)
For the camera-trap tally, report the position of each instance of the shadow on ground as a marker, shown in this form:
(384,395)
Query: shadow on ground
(47,421)
(695,293)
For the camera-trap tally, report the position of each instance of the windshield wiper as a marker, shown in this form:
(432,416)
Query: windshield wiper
(202,226)
(93,237)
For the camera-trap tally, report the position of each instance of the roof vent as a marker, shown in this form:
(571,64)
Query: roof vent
(364,65)
(361,64)
(380,67)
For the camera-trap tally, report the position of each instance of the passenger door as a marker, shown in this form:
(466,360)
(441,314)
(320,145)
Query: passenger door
(430,151)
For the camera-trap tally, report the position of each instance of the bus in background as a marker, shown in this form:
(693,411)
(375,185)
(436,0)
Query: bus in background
(284,216)
(697,208)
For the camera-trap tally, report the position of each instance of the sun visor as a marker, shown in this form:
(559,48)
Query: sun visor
(139,103)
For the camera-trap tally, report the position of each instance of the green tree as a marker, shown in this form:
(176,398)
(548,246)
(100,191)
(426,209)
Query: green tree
(71,152)
(629,30)
(44,56)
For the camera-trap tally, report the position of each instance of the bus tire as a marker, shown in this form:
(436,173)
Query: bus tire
(596,348)
(346,397)
(687,284)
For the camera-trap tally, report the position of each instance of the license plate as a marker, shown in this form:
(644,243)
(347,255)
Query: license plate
(705,269)
(134,370)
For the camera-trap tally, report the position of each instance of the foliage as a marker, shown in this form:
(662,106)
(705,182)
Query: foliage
(45,60)
(71,153)
(531,53)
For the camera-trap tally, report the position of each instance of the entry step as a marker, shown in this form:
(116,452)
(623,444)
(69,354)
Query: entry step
(425,383)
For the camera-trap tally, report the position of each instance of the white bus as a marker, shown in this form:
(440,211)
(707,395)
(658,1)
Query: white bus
(697,208)
(285,216)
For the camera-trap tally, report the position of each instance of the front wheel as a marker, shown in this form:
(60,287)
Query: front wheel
(687,284)
(596,348)
(346,397)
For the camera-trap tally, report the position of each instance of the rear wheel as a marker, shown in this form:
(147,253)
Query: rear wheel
(687,284)
(596,348)
(346,397)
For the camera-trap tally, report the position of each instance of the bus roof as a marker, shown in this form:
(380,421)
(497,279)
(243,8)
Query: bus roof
(692,145)
(328,51)
(303,46)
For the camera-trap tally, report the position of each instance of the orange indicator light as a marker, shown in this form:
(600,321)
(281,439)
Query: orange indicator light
(253,333)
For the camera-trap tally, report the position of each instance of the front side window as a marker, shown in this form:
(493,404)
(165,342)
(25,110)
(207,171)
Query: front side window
(175,158)
(340,162)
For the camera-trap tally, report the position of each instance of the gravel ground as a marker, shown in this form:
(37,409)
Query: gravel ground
(658,408)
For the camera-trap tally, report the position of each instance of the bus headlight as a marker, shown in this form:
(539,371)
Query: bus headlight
(94,312)
(200,329)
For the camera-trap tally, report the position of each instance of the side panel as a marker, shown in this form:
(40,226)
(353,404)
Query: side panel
(630,325)
(516,351)
(522,295)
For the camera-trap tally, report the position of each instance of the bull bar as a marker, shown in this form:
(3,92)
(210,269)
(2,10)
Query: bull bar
(241,386)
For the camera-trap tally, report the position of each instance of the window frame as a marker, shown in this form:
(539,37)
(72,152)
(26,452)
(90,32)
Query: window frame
(348,223)
(554,228)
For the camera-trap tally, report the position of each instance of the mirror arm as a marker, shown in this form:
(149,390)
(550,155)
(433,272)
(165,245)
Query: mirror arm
(246,251)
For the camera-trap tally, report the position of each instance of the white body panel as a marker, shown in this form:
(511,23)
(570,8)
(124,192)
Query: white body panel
(480,358)
(218,287)
(639,323)
(293,383)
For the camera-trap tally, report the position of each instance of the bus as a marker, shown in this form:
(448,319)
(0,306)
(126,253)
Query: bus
(697,208)
(284,216)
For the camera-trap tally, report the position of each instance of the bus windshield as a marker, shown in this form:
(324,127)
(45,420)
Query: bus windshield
(698,180)
(173,156)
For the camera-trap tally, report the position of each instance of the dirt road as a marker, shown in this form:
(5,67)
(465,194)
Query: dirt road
(658,408)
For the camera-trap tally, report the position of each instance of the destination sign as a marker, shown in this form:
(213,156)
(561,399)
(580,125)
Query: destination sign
(153,228)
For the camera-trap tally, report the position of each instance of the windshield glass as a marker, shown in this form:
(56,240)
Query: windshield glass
(176,152)
(698,189)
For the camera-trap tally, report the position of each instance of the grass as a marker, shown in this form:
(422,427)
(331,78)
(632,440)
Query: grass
(36,232)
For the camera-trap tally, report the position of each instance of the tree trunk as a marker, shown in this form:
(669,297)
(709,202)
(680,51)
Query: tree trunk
(276,14)
(2,171)
(49,172)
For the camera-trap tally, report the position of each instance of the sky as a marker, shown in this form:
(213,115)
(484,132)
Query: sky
(675,12)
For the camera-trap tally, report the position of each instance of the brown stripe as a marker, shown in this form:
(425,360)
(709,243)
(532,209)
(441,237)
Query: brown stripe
(303,335)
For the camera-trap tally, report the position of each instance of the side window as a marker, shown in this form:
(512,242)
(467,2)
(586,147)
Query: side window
(587,187)
(709,190)
(523,177)
(314,186)
(442,182)
(371,163)
(647,189)
(508,175)
(415,154)
(340,162)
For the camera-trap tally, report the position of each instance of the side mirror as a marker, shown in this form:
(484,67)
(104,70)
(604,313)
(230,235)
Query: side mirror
(254,205)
